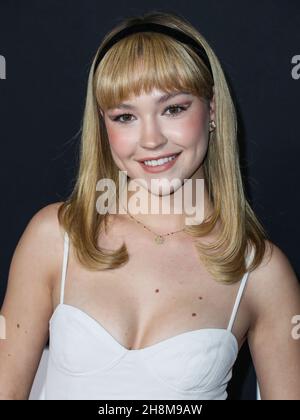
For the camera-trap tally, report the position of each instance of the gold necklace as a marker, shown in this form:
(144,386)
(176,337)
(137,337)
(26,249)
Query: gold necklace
(159,239)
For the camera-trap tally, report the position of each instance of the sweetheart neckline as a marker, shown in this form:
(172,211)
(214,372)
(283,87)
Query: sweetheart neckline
(152,346)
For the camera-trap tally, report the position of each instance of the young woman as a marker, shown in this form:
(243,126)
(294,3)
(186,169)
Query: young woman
(145,305)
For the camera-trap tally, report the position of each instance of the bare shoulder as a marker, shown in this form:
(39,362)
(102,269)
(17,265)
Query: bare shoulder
(43,236)
(274,296)
(273,281)
(37,243)
(27,305)
(46,220)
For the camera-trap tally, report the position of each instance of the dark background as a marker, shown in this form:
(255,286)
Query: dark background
(49,46)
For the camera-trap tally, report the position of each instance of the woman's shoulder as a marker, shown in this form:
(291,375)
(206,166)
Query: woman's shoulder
(275,267)
(43,238)
(273,283)
(46,219)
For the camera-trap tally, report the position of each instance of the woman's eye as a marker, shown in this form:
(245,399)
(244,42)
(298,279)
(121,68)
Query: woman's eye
(172,108)
(117,118)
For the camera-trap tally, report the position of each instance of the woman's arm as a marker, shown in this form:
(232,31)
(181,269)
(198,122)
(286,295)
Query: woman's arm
(27,305)
(274,339)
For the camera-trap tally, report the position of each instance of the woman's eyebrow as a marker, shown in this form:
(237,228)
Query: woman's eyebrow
(160,100)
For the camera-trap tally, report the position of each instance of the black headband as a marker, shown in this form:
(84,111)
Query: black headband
(155,27)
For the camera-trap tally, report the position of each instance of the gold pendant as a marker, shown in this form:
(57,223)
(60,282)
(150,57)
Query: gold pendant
(159,240)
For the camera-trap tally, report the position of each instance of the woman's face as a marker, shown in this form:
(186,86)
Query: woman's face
(151,126)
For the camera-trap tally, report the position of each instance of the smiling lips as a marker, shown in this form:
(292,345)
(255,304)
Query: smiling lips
(157,157)
(159,165)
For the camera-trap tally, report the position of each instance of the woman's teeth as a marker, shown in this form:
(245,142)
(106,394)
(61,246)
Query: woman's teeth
(159,161)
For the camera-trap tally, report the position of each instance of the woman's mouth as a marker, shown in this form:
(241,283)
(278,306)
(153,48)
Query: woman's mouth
(160,165)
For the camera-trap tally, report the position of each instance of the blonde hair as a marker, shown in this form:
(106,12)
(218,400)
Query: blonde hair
(167,65)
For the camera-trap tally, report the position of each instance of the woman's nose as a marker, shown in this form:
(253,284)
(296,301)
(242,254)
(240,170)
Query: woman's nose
(151,134)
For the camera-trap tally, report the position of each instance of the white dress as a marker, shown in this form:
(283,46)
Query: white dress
(87,362)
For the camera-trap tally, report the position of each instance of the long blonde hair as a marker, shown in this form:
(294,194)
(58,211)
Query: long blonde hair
(167,65)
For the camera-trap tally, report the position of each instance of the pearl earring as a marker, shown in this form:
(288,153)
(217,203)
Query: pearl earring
(212,125)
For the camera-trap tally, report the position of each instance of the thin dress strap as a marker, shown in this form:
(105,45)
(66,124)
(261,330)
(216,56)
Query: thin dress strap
(64,268)
(240,291)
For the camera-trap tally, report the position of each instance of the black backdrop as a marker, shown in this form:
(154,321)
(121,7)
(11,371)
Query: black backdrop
(47,48)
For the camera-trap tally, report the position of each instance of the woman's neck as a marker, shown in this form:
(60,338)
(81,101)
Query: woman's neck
(166,213)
